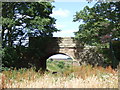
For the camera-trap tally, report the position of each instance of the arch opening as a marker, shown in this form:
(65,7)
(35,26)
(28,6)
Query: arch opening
(60,57)
(59,62)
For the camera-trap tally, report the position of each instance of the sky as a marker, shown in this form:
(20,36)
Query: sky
(64,12)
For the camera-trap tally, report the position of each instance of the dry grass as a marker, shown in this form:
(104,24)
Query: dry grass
(76,77)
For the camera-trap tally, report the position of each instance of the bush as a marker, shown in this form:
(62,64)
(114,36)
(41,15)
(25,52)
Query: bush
(61,64)
(1,51)
(10,57)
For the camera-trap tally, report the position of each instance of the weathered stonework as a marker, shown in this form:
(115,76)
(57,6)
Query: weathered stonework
(71,47)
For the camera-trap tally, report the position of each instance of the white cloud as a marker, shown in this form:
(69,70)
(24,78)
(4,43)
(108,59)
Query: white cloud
(61,12)
(65,33)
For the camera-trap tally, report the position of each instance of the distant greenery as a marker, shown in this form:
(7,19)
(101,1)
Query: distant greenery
(58,65)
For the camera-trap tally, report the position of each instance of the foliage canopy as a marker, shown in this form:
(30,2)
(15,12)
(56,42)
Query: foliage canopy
(21,20)
(101,23)
(24,19)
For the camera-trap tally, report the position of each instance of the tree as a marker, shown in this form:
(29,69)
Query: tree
(23,19)
(100,23)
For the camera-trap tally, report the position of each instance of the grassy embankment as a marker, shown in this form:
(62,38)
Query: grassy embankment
(84,76)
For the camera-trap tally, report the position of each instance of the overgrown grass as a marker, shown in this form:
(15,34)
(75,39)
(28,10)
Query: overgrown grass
(84,76)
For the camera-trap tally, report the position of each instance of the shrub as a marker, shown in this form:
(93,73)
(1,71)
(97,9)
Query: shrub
(61,64)
(10,57)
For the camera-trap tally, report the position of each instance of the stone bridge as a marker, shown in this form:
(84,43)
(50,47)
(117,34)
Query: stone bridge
(60,45)
(56,45)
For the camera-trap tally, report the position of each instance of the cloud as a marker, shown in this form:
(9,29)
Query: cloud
(65,33)
(61,12)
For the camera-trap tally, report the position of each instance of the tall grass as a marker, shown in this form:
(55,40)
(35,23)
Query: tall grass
(84,76)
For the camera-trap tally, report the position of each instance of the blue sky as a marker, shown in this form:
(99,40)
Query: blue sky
(64,12)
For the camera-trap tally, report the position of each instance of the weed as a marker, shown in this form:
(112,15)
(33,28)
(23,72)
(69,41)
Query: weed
(84,76)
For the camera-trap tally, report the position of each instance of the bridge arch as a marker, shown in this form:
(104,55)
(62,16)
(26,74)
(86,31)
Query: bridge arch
(55,45)
(57,64)
(61,54)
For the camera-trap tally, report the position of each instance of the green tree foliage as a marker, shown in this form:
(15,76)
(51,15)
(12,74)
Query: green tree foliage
(101,23)
(19,21)
(21,17)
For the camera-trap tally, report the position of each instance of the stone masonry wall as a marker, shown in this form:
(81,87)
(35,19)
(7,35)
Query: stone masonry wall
(74,49)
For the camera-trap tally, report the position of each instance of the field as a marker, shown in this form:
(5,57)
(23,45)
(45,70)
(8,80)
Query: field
(61,75)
